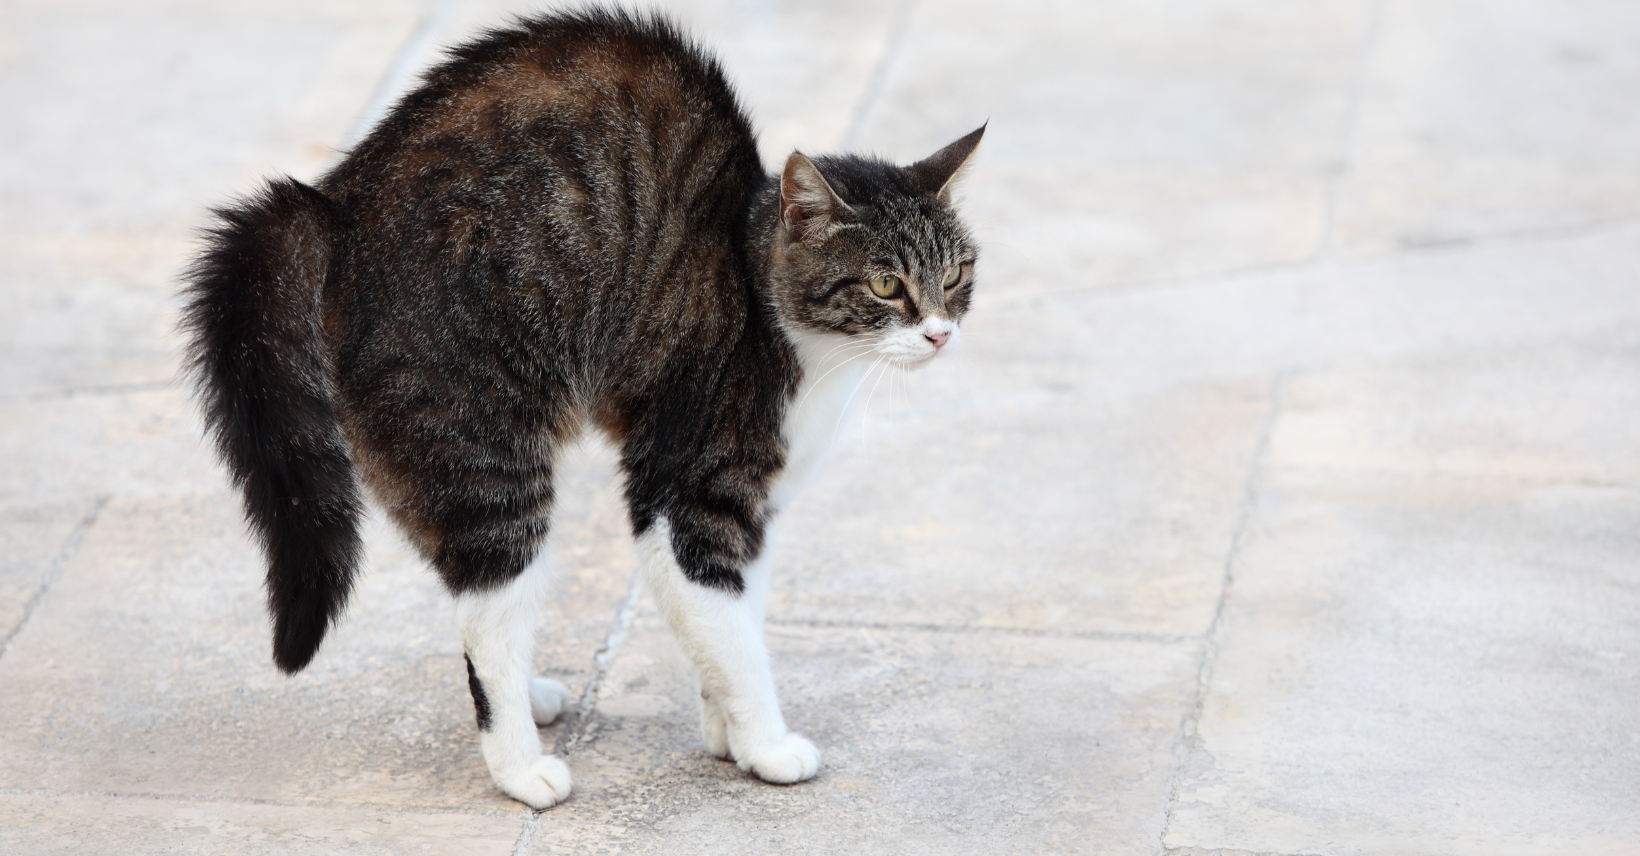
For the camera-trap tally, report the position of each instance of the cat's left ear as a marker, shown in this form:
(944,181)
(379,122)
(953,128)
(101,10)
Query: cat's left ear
(808,206)
(939,172)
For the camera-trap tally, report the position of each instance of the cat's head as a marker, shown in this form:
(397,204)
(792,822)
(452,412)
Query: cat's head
(875,252)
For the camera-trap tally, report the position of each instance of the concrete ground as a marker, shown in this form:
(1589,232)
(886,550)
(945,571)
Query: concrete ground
(1284,497)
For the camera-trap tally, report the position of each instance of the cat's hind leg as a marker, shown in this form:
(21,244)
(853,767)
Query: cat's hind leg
(722,631)
(714,727)
(548,700)
(498,631)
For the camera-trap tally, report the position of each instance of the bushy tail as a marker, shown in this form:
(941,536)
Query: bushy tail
(257,361)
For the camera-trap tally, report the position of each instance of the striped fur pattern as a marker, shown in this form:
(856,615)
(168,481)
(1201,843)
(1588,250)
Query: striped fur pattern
(567,226)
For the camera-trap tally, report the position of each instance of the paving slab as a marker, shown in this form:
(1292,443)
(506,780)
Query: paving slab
(946,498)
(1552,411)
(78,446)
(109,164)
(47,825)
(1430,642)
(1129,142)
(33,539)
(1385,241)
(1436,302)
(144,669)
(1477,119)
(932,742)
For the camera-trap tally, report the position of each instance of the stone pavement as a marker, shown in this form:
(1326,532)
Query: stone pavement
(1284,497)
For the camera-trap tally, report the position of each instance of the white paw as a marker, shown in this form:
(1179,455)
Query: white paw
(714,728)
(790,759)
(548,700)
(543,784)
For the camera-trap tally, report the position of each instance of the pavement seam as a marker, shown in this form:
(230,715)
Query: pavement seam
(1539,236)
(407,63)
(1189,726)
(86,392)
(526,834)
(323,805)
(1229,851)
(879,74)
(1350,126)
(64,553)
(895,627)
(580,719)
(576,729)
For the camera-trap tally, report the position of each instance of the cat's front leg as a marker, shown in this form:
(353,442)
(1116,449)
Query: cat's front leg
(722,631)
(498,630)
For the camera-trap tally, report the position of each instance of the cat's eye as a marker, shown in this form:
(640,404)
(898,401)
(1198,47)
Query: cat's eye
(953,275)
(886,286)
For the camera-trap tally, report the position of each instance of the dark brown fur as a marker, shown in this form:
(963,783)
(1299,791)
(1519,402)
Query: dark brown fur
(567,224)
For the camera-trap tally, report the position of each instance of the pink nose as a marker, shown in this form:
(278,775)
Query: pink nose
(939,339)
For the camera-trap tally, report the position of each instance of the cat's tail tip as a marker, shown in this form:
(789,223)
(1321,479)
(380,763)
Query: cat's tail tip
(256,356)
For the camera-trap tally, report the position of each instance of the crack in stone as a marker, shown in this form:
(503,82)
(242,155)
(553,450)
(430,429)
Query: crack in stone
(404,68)
(890,626)
(87,392)
(394,808)
(576,728)
(532,822)
(1227,851)
(1189,725)
(66,551)
(1480,243)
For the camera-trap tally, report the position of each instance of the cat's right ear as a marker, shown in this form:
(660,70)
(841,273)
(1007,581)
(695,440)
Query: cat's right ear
(939,172)
(809,209)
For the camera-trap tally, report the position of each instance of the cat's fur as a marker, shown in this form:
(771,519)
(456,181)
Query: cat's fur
(566,226)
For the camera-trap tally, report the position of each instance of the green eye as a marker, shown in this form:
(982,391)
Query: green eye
(886,286)
(952,275)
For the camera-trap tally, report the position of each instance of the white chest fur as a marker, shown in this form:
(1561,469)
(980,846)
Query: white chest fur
(832,368)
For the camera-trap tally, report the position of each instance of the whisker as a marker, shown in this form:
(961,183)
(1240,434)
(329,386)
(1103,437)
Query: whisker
(846,343)
(865,412)
(816,384)
(844,413)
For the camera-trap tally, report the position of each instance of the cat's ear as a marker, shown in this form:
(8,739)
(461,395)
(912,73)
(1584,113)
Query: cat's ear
(808,206)
(939,172)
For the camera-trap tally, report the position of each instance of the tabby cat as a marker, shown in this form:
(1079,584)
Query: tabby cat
(565,226)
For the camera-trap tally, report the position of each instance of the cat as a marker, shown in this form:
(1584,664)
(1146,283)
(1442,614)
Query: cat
(567,226)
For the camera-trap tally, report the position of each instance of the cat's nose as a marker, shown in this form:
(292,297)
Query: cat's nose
(939,339)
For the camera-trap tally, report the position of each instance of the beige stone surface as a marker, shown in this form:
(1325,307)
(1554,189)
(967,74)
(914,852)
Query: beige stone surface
(123,122)
(97,825)
(1131,142)
(933,742)
(1430,645)
(1333,302)
(34,538)
(1433,303)
(144,669)
(75,446)
(1477,119)
(978,527)
(1555,411)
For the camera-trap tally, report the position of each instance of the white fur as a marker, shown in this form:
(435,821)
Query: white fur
(910,347)
(723,634)
(832,368)
(498,630)
(548,700)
